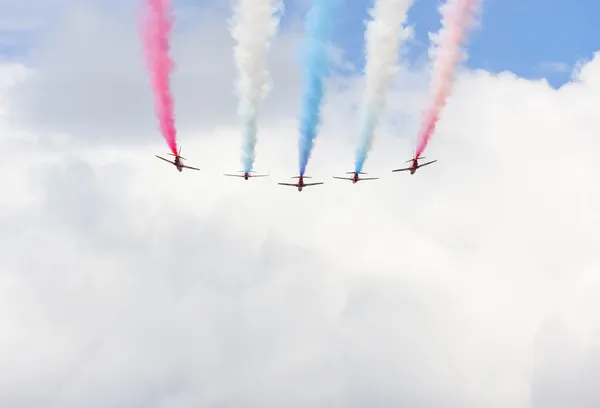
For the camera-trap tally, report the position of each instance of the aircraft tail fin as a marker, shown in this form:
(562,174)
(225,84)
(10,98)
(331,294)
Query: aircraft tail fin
(414,157)
(178,154)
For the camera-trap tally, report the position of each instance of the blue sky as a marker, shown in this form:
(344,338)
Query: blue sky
(532,38)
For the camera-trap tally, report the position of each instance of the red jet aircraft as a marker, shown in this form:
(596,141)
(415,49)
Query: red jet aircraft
(415,165)
(355,179)
(246,175)
(300,184)
(177,163)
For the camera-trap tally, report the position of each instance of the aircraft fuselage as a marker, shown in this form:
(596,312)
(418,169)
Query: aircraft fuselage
(414,167)
(177,163)
(300,183)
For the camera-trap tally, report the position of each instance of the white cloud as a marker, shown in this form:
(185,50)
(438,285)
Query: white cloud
(555,67)
(124,283)
(104,87)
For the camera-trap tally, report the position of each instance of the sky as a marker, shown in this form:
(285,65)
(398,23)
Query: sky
(124,283)
(532,38)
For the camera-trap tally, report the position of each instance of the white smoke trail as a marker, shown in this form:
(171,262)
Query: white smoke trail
(383,36)
(253,27)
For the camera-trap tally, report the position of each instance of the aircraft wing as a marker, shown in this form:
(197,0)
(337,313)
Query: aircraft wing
(343,178)
(406,169)
(189,167)
(249,176)
(425,164)
(288,184)
(162,158)
(368,178)
(312,184)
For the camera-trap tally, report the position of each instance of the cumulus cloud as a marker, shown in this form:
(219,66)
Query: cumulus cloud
(94,84)
(124,283)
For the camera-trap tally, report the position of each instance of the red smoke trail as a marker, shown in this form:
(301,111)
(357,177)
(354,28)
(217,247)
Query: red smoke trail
(156,30)
(457,18)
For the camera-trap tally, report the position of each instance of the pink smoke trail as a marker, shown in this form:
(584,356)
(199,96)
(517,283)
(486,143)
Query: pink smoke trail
(157,26)
(458,16)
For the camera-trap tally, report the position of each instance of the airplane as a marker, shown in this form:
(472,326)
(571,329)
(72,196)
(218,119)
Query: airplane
(355,179)
(415,165)
(177,162)
(246,175)
(300,185)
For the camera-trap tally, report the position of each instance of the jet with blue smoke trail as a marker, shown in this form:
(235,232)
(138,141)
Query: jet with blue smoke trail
(382,37)
(319,27)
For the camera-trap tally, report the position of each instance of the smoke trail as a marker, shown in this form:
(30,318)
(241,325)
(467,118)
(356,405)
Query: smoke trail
(382,37)
(157,26)
(458,16)
(318,27)
(254,25)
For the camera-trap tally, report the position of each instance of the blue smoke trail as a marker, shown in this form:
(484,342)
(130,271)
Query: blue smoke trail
(318,25)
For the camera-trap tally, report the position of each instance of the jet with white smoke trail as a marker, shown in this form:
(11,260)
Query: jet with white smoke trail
(253,27)
(383,37)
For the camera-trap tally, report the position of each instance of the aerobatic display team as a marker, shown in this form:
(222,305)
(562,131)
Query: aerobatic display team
(254,25)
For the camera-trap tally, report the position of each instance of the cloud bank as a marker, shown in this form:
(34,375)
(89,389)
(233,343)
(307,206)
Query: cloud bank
(124,283)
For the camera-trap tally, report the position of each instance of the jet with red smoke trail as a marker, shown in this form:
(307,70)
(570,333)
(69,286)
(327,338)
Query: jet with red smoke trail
(156,30)
(356,178)
(415,165)
(457,18)
(177,162)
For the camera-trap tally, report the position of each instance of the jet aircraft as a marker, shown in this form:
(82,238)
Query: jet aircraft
(246,175)
(177,162)
(355,178)
(300,184)
(415,165)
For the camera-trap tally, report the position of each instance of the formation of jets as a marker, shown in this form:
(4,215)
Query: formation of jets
(300,184)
